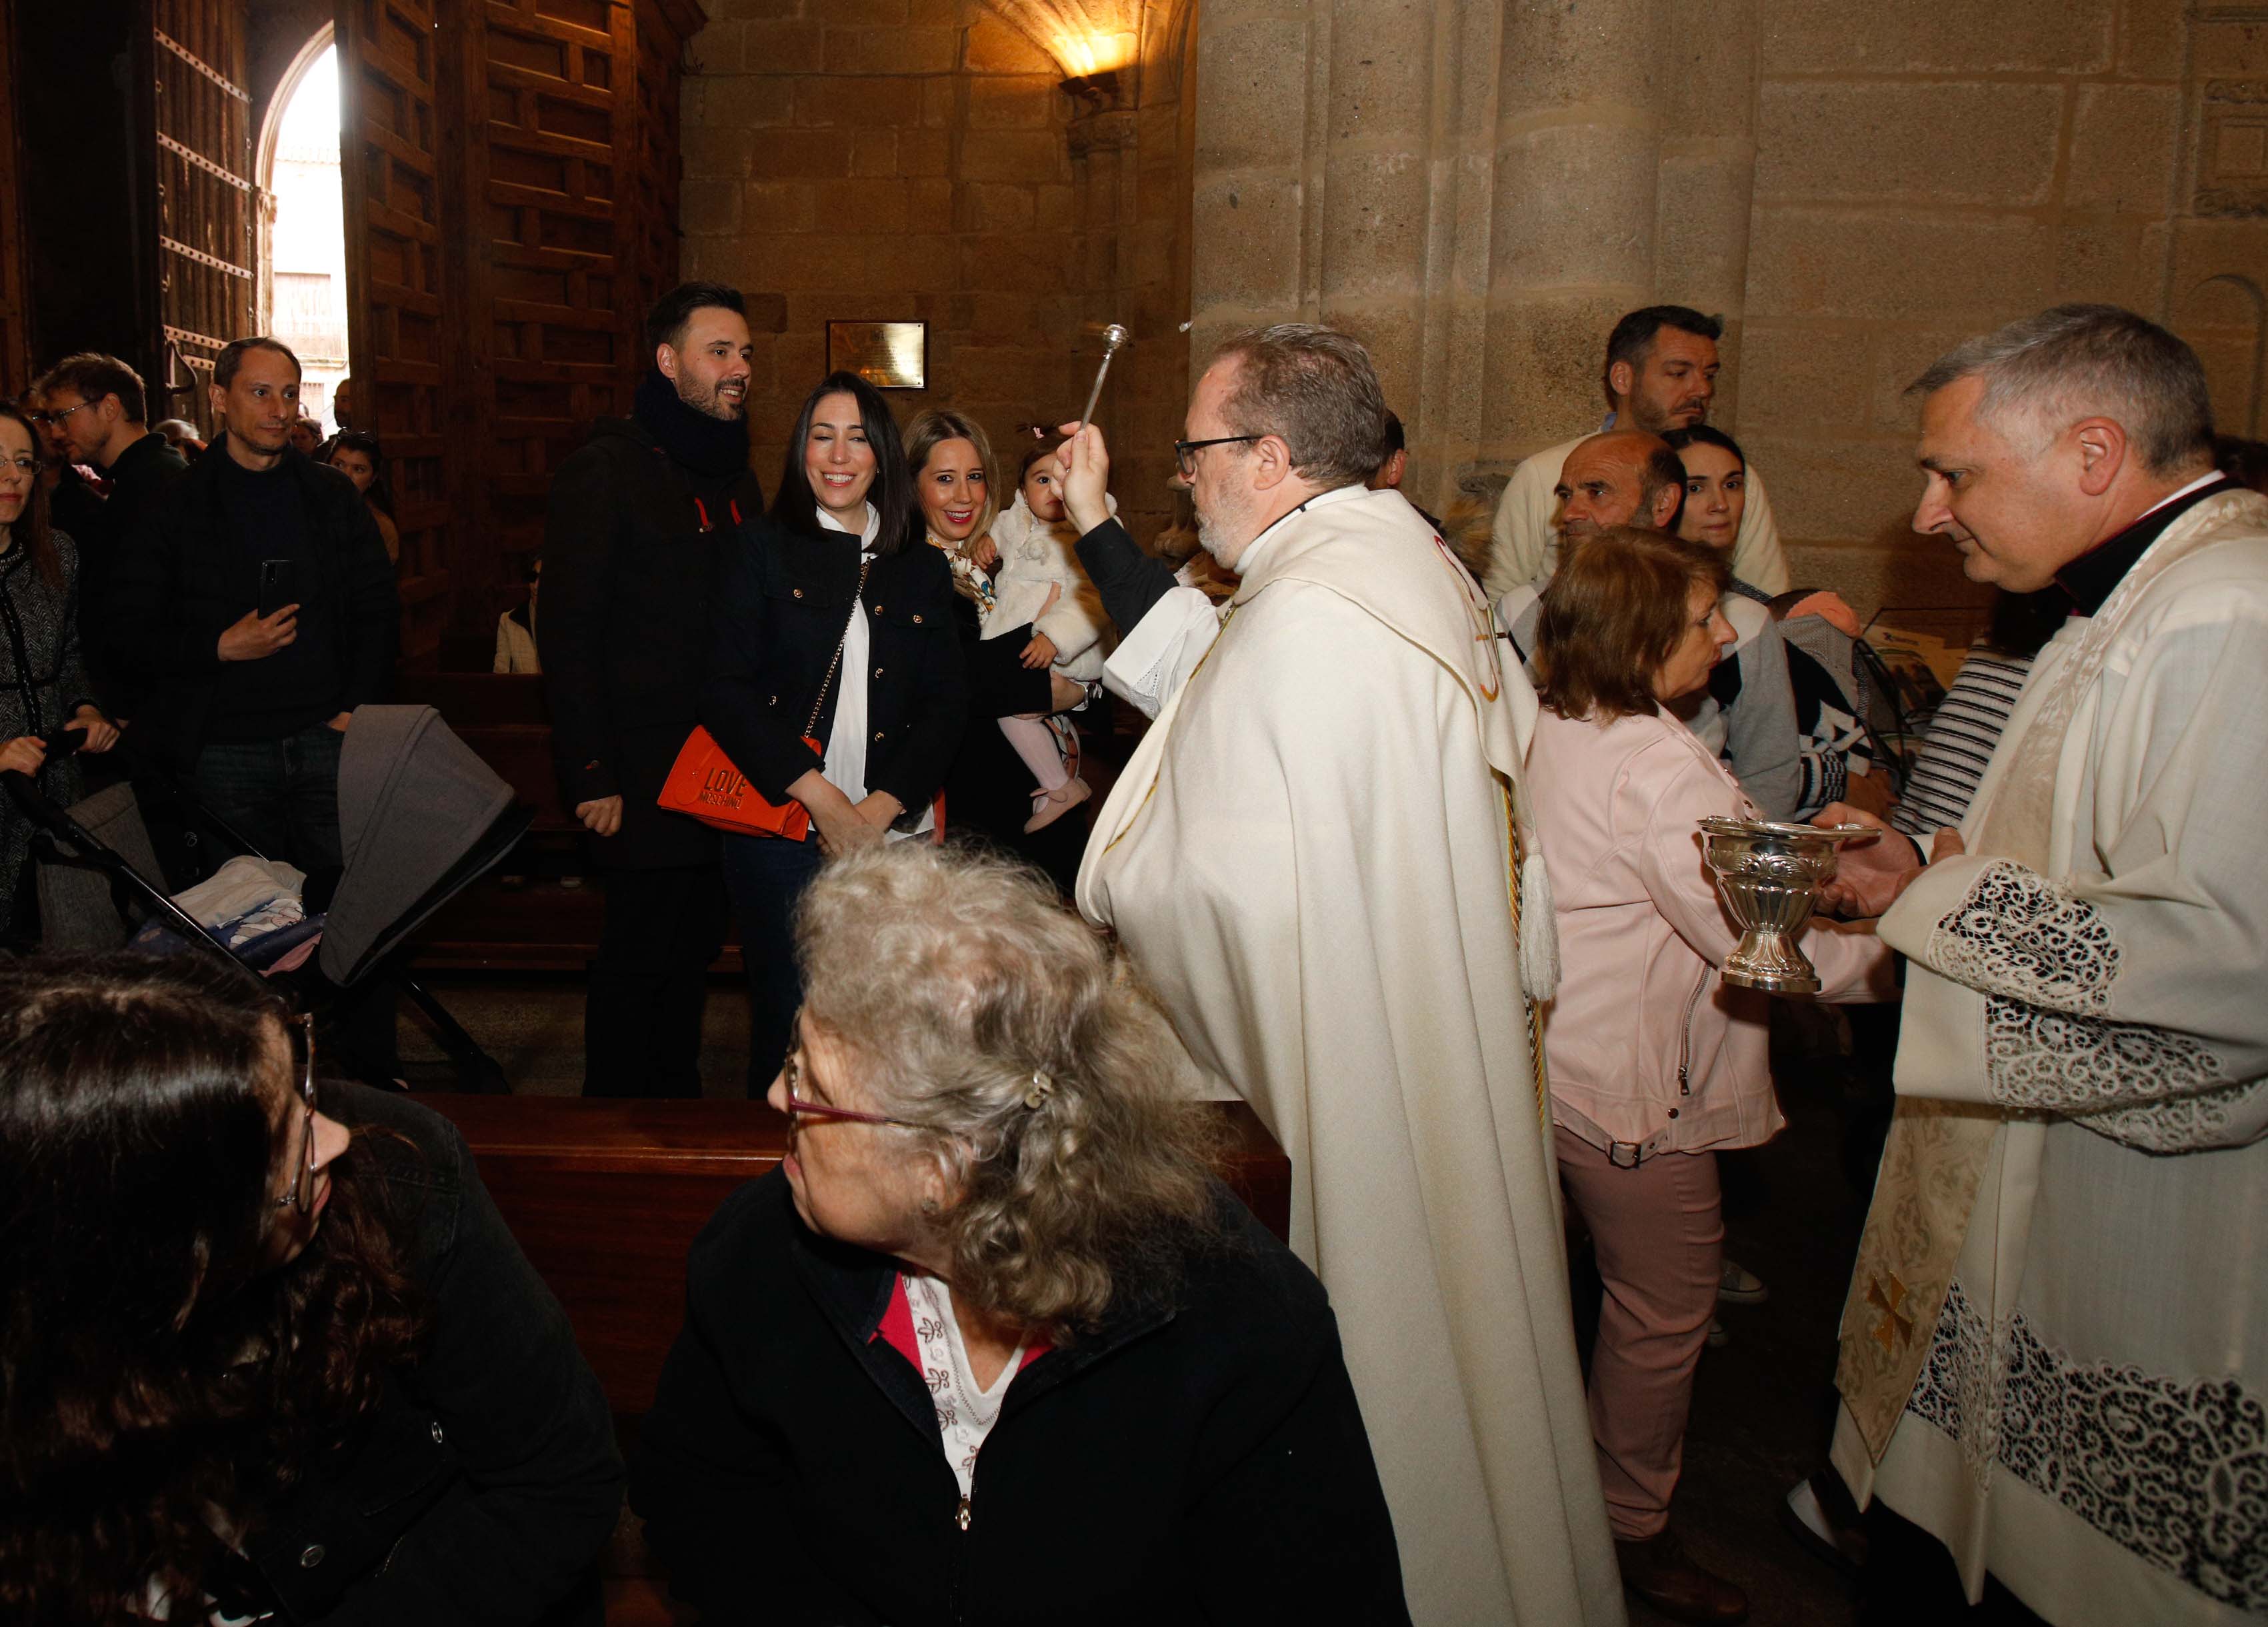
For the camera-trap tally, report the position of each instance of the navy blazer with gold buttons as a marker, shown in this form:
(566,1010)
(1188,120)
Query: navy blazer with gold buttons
(780,616)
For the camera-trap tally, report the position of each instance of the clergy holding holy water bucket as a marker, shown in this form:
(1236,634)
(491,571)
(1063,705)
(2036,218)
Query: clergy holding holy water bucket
(1769,875)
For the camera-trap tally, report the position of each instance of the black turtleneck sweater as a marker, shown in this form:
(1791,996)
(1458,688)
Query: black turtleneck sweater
(266,517)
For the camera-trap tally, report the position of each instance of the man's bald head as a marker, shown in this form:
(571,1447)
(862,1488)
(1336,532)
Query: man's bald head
(1624,477)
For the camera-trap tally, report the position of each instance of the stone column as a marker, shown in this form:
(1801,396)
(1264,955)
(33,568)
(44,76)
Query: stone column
(1376,106)
(1577,182)
(1476,188)
(1708,171)
(1251,186)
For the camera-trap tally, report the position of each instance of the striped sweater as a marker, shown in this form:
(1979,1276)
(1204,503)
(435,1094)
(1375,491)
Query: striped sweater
(1962,732)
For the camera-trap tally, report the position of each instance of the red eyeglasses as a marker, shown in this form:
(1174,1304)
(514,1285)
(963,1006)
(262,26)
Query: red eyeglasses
(801,1107)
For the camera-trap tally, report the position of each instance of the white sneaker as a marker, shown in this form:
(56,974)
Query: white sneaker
(1736,1284)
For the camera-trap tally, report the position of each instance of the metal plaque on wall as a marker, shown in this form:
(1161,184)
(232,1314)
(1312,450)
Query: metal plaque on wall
(889,355)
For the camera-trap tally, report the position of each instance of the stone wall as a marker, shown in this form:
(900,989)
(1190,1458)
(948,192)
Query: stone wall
(1478,186)
(1926,172)
(871,160)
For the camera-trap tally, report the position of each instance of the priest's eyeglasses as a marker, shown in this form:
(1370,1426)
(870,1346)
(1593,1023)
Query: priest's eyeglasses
(801,1107)
(301,1193)
(1185,452)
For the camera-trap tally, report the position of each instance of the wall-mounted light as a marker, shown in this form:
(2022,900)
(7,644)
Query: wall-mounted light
(1086,38)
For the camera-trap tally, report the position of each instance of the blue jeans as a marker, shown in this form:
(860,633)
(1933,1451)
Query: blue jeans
(766,875)
(281,795)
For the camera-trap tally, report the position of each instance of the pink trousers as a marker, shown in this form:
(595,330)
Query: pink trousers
(1661,1240)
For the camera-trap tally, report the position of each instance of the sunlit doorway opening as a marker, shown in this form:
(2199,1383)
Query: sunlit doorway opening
(304,271)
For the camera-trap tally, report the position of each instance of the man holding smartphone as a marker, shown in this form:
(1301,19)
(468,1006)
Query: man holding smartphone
(257,610)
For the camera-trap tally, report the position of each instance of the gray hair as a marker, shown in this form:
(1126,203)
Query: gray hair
(1316,388)
(1045,1078)
(2078,361)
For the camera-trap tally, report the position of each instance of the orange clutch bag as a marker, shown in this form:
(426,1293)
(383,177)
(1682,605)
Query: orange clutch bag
(703,784)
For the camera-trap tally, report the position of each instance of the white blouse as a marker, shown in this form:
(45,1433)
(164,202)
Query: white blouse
(846,739)
(965,1412)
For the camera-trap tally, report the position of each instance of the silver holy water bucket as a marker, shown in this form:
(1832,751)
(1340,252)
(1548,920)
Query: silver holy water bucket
(1769,875)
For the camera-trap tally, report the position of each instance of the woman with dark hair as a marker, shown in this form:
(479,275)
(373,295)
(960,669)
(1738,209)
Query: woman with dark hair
(356,453)
(266,1351)
(1789,729)
(42,682)
(992,1344)
(1655,1064)
(834,676)
(985,795)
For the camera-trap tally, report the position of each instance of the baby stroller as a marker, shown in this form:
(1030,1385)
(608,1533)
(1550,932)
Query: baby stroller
(421,818)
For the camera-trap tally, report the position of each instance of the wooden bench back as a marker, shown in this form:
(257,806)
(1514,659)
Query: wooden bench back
(605,1199)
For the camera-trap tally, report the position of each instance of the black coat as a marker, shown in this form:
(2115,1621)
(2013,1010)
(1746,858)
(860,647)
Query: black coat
(780,618)
(169,604)
(633,546)
(140,481)
(1203,1463)
(987,790)
(486,1484)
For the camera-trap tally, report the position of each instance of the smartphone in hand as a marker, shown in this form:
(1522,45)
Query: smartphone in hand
(278,586)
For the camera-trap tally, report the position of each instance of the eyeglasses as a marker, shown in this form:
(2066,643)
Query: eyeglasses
(1185,452)
(801,1107)
(57,418)
(301,1194)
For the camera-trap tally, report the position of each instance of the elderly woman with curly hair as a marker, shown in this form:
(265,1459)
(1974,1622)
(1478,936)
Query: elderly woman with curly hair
(266,1351)
(992,1344)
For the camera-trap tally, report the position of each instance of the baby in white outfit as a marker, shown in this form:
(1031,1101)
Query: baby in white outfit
(1040,581)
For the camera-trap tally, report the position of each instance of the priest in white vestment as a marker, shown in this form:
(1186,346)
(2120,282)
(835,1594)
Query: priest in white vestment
(2054,1351)
(1661,375)
(1313,857)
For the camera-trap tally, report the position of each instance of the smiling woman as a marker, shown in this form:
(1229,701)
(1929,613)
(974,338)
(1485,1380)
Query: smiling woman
(986,788)
(835,678)
(265,1346)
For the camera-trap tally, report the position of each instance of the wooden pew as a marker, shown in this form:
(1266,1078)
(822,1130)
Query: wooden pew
(606,1196)
(605,1199)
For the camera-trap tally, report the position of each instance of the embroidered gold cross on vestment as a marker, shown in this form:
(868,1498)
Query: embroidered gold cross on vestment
(1896,1330)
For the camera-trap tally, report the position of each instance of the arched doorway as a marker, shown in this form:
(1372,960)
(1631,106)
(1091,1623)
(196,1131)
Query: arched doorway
(302,279)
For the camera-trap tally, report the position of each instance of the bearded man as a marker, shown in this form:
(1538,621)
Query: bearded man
(1747,716)
(1660,374)
(641,517)
(1315,857)
(2055,1350)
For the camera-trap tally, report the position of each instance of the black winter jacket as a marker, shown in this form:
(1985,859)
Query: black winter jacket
(169,606)
(785,603)
(633,547)
(140,481)
(485,1486)
(988,789)
(1203,1462)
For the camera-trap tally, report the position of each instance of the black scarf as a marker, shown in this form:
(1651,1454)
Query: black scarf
(716,447)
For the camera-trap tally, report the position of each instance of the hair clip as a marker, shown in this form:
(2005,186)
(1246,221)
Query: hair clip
(1043,1088)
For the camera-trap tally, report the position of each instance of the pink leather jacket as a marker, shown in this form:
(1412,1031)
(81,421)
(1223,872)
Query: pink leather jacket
(1648,1051)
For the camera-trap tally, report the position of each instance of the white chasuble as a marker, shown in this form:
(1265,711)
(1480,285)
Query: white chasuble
(1309,858)
(2055,1353)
